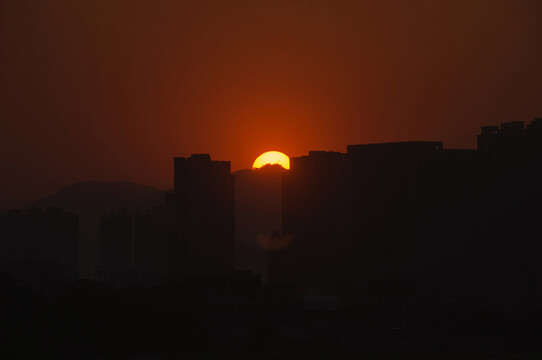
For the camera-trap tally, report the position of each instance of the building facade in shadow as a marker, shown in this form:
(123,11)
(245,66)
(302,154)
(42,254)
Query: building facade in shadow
(258,207)
(134,247)
(316,235)
(39,248)
(509,199)
(415,223)
(192,236)
(201,216)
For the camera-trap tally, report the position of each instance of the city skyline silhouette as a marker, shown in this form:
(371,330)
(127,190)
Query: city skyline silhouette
(392,239)
(270,179)
(112,91)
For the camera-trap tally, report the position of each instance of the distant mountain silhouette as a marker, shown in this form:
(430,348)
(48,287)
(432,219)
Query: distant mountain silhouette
(102,197)
(8,202)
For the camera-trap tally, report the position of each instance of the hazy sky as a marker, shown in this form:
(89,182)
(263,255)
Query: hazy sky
(112,90)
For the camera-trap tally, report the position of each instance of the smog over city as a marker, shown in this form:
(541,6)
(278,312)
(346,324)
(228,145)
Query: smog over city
(234,179)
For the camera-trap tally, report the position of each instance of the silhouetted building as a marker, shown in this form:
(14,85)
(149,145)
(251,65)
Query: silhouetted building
(193,236)
(39,247)
(510,206)
(134,247)
(201,210)
(258,208)
(427,224)
(117,248)
(151,246)
(316,235)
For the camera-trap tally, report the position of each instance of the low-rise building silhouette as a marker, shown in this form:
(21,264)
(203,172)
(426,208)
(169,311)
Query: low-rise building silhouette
(39,248)
(135,247)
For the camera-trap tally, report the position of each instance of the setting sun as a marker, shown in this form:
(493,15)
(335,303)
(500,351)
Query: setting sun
(271,158)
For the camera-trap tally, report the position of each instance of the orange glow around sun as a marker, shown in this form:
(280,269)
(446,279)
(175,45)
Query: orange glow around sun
(271,158)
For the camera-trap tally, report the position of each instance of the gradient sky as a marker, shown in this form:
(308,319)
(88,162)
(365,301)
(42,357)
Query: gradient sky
(112,90)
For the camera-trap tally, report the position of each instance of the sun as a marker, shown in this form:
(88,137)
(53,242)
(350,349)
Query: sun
(271,158)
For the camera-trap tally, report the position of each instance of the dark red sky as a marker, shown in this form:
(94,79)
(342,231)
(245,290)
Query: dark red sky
(112,90)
